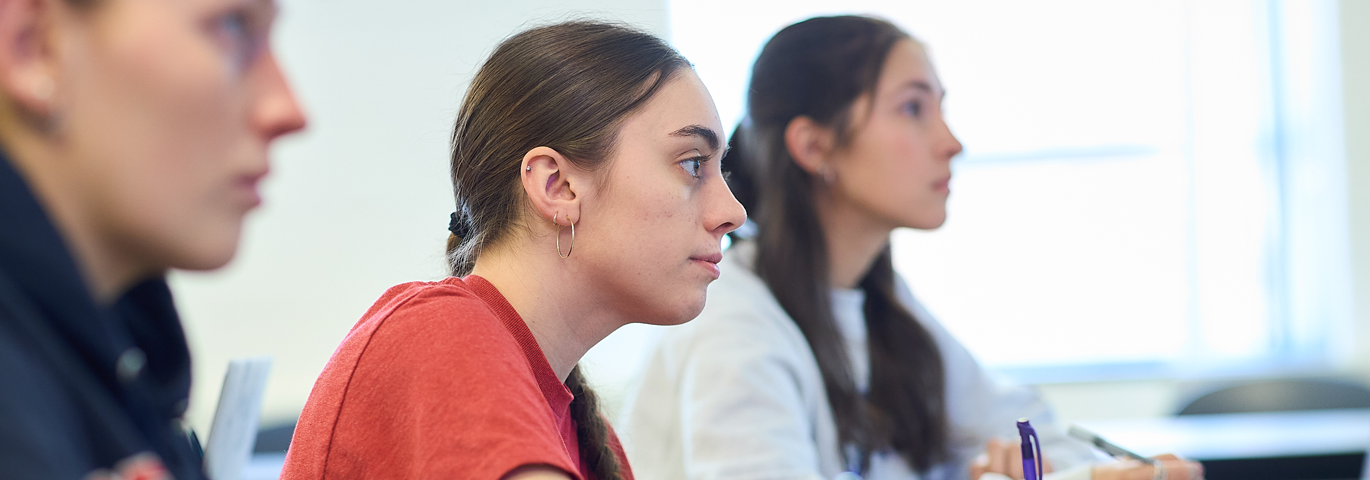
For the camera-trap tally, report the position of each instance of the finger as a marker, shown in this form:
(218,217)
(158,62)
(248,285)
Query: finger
(998,457)
(1181,470)
(1015,455)
(1135,470)
(1046,465)
(1122,470)
(979,466)
(1195,470)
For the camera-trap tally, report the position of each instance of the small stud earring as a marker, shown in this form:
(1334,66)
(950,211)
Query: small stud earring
(829,175)
(528,168)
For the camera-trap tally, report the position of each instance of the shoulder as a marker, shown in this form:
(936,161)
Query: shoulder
(435,314)
(446,304)
(430,372)
(430,323)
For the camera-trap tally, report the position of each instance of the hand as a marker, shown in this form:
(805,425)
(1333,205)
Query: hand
(1003,457)
(1175,469)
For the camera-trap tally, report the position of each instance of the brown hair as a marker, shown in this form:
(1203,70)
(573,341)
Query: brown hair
(819,68)
(569,87)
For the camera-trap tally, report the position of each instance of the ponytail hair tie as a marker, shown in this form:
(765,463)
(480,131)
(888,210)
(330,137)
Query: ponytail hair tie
(458,225)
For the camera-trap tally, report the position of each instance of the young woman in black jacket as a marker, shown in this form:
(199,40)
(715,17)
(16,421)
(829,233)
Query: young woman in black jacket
(133,136)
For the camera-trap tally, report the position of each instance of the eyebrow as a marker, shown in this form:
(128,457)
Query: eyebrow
(699,131)
(924,86)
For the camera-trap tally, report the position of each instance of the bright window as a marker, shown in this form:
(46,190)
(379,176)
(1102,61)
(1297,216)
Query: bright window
(1156,184)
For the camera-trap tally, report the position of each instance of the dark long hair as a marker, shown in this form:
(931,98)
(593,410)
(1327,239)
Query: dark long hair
(819,68)
(569,87)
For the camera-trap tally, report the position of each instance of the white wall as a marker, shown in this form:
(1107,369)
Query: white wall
(359,202)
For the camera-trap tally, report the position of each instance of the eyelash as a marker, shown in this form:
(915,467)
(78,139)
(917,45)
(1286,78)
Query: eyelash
(914,108)
(699,165)
(238,34)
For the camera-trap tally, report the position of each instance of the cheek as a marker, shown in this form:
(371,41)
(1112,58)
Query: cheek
(174,219)
(156,119)
(643,253)
(895,177)
(176,96)
(650,226)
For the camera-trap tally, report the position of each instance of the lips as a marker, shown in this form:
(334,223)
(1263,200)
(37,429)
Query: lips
(247,186)
(709,262)
(713,258)
(943,184)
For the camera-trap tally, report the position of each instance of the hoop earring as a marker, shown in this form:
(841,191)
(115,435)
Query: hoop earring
(573,236)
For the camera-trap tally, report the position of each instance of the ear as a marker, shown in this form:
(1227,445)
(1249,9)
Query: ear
(809,143)
(552,185)
(28,73)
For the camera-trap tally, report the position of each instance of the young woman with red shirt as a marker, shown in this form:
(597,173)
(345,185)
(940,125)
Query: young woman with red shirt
(585,166)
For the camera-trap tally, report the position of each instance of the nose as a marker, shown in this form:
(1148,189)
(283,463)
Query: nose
(275,110)
(723,212)
(951,146)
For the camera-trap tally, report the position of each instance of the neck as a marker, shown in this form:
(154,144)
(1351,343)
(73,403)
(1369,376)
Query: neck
(560,311)
(105,269)
(853,239)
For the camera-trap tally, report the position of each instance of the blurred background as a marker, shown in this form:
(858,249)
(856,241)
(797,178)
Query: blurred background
(1155,196)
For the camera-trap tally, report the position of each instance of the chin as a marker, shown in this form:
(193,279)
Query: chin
(207,255)
(931,222)
(212,262)
(933,225)
(685,311)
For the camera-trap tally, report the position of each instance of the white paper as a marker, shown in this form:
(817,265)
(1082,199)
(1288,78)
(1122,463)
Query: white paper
(234,431)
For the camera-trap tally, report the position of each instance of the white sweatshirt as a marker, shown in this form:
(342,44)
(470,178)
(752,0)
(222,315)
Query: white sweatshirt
(736,394)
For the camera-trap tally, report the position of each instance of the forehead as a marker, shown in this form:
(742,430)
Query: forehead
(907,67)
(681,101)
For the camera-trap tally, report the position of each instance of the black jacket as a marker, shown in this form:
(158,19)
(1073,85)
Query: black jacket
(82,387)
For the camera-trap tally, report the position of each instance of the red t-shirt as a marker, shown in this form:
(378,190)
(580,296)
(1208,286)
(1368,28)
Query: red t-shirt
(438,380)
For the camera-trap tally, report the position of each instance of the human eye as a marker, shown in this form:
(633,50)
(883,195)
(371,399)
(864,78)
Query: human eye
(693,165)
(913,108)
(239,34)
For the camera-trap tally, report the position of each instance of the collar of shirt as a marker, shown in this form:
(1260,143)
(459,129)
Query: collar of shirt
(558,397)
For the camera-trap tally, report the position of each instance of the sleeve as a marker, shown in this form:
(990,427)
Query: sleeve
(979,407)
(441,390)
(742,408)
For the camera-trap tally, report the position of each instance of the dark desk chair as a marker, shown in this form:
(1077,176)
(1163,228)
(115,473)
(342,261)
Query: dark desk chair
(1280,396)
(275,439)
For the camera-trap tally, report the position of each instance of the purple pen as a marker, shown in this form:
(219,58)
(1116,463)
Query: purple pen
(1032,460)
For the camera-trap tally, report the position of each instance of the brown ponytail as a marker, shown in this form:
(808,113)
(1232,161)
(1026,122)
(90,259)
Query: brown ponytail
(593,433)
(569,87)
